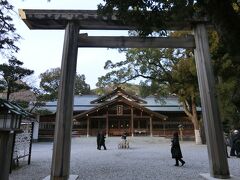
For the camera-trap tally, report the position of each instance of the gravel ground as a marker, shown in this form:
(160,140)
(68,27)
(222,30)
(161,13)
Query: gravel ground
(148,158)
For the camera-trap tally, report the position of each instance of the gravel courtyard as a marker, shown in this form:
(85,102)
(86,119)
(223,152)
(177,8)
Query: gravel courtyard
(148,158)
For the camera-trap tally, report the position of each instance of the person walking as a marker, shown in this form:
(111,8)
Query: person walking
(98,140)
(176,150)
(102,141)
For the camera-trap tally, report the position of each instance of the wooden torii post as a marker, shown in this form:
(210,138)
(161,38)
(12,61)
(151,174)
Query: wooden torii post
(72,21)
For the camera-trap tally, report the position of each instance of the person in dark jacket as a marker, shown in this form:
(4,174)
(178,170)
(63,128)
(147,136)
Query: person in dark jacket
(176,150)
(124,136)
(98,140)
(102,141)
(233,138)
(237,143)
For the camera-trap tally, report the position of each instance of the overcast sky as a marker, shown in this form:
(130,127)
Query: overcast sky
(42,49)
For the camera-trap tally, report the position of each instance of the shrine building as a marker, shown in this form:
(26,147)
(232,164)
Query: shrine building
(118,112)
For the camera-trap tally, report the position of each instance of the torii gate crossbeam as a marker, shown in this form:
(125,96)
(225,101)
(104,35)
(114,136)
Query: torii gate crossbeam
(72,21)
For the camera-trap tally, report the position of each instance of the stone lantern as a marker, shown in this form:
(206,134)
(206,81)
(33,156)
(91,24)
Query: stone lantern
(10,121)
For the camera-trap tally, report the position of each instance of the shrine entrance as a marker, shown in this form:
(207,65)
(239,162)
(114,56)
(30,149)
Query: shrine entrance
(74,20)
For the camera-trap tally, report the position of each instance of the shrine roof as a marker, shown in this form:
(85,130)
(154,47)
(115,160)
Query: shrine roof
(14,108)
(124,100)
(82,103)
(116,92)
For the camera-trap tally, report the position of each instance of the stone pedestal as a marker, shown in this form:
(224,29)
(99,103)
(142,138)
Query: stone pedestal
(71,177)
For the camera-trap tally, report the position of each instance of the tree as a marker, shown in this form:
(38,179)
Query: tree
(152,15)
(81,87)
(50,81)
(8,35)
(227,71)
(38,102)
(13,75)
(166,71)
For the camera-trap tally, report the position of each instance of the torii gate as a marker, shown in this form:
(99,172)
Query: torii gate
(74,20)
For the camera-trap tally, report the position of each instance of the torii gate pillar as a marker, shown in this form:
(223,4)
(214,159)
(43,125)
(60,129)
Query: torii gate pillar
(63,129)
(212,123)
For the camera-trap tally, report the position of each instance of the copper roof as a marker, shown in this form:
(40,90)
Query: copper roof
(125,101)
(116,92)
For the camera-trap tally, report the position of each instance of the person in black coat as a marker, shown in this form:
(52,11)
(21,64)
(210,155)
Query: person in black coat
(98,140)
(124,136)
(237,143)
(176,150)
(233,139)
(102,141)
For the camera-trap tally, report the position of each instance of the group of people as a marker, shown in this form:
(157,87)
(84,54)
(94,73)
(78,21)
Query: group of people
(101,140)
(233,141)
(175,146)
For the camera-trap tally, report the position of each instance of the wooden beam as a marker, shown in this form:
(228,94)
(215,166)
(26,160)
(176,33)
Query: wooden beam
(87,19)
(132,122)
(92,117)
(88,126)
(58,19)
(151,126)
(136,42)
(63,129)
(142,117)
(211,117)
(107,122)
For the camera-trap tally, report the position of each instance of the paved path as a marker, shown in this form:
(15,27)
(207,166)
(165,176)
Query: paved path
(147,159)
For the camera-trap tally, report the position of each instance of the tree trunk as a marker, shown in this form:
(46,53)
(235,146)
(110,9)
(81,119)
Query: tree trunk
(196,123)
(198,138)
(193,116)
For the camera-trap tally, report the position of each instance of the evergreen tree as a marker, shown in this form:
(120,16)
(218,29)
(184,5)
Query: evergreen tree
(50,81)
(81,87)
(227,73)
(8,35)
(13,76)
(154,15)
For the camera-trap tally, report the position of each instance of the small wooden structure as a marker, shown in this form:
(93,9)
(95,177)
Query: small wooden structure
(11,119)
(72,21)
